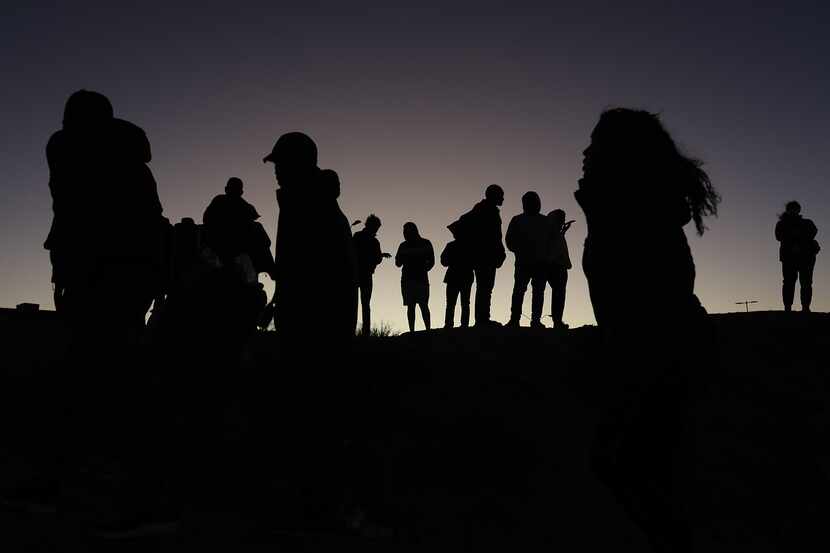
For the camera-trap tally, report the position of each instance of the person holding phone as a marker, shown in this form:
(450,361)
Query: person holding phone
(557,267)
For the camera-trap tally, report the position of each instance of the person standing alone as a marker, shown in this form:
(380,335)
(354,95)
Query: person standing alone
(797,254)
(415,257)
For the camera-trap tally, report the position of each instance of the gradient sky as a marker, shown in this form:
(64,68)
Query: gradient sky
(420,105)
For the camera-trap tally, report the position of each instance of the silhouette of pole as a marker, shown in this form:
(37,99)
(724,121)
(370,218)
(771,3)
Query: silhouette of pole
(745,303)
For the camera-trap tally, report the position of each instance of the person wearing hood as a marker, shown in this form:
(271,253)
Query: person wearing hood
(527,236)
(797,254)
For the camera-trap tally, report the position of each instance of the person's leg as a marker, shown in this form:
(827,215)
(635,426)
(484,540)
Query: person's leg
(365,304)
(465,303)
(788,288)
(452,297)
(521,276)
(425,314)
(805,278)
(485,279)
(538,283)
(559,283)
(410,316)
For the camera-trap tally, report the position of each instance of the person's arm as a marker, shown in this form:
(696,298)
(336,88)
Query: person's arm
(779,231)
(377,255)
(446,254)
(399,257)
(811,229)
(502,255)
(511,237)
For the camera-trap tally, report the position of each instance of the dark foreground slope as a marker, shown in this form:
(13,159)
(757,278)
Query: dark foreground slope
(478,439)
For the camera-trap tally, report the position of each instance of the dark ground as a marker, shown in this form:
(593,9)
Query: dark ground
(478,440)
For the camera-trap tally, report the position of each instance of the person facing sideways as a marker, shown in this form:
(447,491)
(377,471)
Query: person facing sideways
(234,235)
(797,254)
(638,188)
(315,267)
(556,266)
(315,317)
(526,237)
(415,257)
(479,230)
(459,279)
(369,256)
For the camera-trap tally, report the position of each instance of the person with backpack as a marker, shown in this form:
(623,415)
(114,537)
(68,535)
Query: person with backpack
(415,257)
(527,235)
(459,279)
(479,230)
(797,254)
(369,256)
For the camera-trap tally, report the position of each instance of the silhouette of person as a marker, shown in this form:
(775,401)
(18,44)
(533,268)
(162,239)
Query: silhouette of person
(479,230)
(557,265)
(369,256)
(232,233)
(315,265)
(797,254)
(527,236)
(459,279)
(415,257)
(106,244)
(316,314)
(106,230)
(633,163)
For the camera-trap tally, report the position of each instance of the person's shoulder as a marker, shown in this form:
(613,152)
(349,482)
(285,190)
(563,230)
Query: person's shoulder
(56,142)
(131,136)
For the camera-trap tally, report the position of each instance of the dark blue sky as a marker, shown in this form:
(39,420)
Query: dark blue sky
(419,105)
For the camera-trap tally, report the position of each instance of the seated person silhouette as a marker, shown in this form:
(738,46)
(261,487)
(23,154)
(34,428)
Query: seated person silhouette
(415,257)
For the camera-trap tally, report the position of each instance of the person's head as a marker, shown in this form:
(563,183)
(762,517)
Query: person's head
(631,149)
(494,194)
(86,109)
(531,203)
(372,223)
(234,187)
(329,182)
(557,218)
(792,209)
(410,231)
(294,156)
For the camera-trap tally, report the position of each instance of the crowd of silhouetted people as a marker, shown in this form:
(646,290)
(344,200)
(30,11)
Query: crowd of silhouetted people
(114,255)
